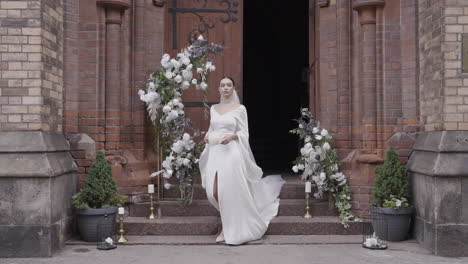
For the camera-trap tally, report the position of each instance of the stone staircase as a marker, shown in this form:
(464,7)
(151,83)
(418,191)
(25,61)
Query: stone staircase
(202,219)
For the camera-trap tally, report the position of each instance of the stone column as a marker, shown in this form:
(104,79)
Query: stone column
(114,10)
(37,176)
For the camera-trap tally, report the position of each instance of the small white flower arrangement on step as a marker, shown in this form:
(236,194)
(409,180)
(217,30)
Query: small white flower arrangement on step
(374,242)
(107,244)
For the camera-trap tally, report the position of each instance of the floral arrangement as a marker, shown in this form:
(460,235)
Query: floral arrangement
(395,203)
(374,242)
(319,163)
(163,98)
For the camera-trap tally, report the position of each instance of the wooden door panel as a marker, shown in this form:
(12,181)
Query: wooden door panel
(229,34)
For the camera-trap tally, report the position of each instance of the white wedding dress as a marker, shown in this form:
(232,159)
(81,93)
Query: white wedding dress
(247,202)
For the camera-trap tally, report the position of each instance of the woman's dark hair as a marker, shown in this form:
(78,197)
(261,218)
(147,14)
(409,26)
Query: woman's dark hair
(232,80)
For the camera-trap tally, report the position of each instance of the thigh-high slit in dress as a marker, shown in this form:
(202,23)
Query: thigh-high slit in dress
(247,202)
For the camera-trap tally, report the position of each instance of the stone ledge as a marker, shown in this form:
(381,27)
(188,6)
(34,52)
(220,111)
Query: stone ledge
(32,141)
(36,164)
(442,141)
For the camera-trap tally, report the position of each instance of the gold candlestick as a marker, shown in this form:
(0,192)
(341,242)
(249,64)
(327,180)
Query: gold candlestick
(122,239)
(307,214)
(151,216)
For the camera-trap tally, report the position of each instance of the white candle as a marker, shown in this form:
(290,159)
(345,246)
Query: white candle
(121,210)
(308,187)
(150,188)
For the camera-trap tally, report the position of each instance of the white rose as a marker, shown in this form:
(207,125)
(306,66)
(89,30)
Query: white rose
(208,65)
(295,169)
(166,109)
(185,60)
(109,241)
(301,126)
(185,85)
(166,57)
(315,130)
(324,132)
(307,139)
(175,63)
(199,70)
(318,137)
(323,176)
(194,81)
(141,92)
(168,74)
(203,86)
(186,162)
(308,146)
(300,166)
(151,85)
(175,101)
(398,203)
(212,68)
(200,37)
(167,185)
(186,136)
(178,78)
(189,67)
(326,146)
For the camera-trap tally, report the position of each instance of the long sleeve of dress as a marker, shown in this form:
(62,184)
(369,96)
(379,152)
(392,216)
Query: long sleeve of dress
(253,172)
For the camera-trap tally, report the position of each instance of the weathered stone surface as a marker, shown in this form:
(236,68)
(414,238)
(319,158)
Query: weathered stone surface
(32,141)
(452,240)
(25,241)
(36,186)
(439,173)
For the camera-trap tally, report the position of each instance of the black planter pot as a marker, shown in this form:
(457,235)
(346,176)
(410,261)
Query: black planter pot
(95,225)
(391,224)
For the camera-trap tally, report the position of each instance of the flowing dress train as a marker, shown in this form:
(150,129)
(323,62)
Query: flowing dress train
(246,201)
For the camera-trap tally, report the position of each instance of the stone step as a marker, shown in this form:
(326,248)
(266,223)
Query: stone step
(294,188)
(211,240)
(204,208)
(208,225)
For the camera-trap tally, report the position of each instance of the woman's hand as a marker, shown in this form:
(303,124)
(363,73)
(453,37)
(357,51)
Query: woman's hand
(228,138)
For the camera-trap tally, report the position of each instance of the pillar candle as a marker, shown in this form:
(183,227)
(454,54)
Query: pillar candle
(308,186)
(150,188)
(121,210)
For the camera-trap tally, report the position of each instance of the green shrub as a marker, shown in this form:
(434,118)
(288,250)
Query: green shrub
(100,190)
(391,180)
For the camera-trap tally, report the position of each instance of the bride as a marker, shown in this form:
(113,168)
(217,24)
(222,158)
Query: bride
(229,174)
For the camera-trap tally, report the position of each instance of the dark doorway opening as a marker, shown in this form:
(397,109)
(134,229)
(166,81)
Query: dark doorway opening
(275,63)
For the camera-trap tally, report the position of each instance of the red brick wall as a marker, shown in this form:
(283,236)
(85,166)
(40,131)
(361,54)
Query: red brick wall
(368,85)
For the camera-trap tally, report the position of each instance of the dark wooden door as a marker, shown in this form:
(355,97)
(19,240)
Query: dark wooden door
(221,22)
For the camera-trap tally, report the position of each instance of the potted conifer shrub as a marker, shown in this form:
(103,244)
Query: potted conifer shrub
(97,202)
(391,212)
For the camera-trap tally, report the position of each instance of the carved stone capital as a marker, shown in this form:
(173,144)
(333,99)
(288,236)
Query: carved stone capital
(359,4)
(115,4)
(323,3)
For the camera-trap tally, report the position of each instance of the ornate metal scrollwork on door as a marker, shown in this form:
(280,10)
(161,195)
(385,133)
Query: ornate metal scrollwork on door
(228,9)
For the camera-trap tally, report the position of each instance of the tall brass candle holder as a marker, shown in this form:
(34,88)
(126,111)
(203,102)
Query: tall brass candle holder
(122,239)
(151,215)
(307,214)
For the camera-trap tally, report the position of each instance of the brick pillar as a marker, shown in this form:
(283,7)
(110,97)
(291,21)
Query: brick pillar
(367,19)
(114,10)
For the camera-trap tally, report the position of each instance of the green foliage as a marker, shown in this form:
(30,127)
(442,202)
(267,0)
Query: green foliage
(100,190)
(396,203)
(391,180)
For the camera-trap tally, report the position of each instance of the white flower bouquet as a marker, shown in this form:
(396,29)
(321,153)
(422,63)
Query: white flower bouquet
(215,137)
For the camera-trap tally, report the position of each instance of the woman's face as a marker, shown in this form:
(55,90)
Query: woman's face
(226,88)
